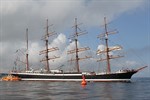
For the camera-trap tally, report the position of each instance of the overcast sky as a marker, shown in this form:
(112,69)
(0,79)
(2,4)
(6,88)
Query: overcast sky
(131,18)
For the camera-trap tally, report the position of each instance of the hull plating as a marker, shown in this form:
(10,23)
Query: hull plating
(75,77)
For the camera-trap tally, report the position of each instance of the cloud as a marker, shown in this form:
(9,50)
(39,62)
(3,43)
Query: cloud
(9,7)
(18,15)
(101,47)
(61,39)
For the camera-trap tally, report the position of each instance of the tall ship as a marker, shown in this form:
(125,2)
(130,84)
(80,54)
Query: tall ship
(47,74)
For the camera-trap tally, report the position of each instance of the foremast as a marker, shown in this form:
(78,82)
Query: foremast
(108,49)
(47,49)
(77,49)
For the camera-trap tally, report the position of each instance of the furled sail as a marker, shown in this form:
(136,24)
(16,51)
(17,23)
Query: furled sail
(114,48)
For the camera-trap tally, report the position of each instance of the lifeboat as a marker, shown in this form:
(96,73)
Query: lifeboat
(10,78)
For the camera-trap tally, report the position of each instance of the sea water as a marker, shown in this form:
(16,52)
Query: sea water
(137,89)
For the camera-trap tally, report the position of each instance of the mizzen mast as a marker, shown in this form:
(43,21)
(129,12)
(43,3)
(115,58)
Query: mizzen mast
(27,53)
(47,49)
(77,49)
(108,49)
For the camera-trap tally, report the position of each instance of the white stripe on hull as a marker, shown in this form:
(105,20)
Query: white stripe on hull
(75,80)
(47,74)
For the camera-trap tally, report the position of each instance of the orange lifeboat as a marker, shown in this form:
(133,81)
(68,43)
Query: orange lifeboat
(10,78)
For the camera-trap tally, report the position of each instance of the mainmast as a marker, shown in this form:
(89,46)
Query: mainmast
(27,54)
(77,50)
(108,49)
(47,49)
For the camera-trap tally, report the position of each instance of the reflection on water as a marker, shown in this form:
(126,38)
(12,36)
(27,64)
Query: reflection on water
(29,90)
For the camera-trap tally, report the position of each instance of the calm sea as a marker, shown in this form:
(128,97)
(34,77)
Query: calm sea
(138,89)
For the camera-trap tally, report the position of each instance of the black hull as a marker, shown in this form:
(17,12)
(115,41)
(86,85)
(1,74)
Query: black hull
(126,76)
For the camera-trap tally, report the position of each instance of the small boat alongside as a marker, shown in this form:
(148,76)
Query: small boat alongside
(10,78)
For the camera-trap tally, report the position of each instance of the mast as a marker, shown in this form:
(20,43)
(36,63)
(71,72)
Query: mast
(27,61)
(76,46)
(107,48)
(46,45)
(77,49)
(26,54)
(47,49)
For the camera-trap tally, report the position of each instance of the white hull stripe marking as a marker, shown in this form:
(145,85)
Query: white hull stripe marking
(76,79)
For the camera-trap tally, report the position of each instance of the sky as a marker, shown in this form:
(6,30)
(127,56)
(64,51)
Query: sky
(130,18)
